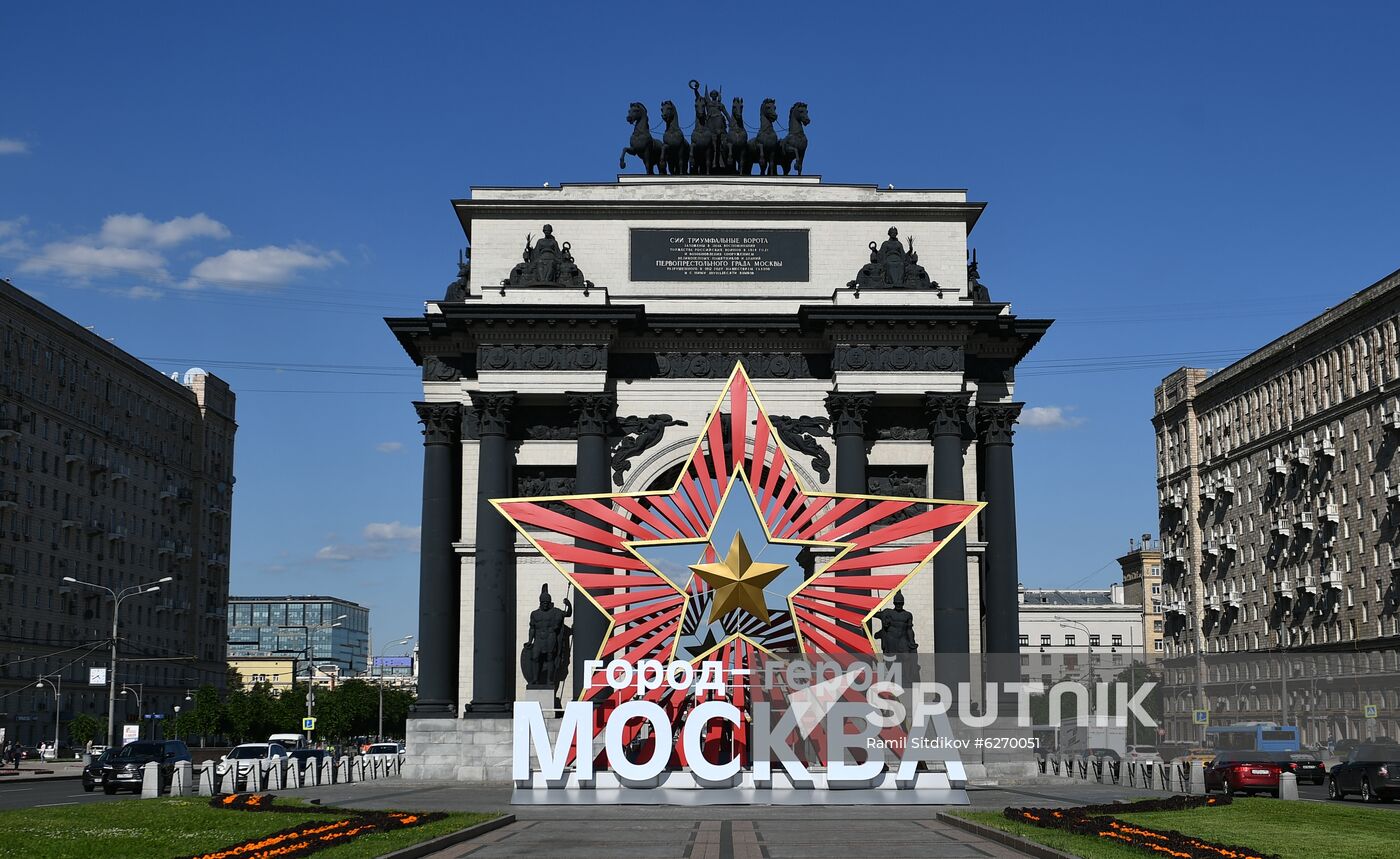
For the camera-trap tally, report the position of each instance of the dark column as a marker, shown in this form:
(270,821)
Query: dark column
(848,427)
(595,413)
(494,655)
(439,570)
(947,414)
(995,425)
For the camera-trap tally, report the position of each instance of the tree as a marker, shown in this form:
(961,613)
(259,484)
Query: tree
(83,729)
(206,715)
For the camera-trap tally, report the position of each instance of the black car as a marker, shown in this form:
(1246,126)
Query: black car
(304,758)
(1371,770)
(1306,766)
(92,773)
(126,768)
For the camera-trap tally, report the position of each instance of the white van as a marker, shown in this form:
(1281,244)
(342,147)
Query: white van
(288,741)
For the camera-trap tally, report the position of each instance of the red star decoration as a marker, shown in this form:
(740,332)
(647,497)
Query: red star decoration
(885,542)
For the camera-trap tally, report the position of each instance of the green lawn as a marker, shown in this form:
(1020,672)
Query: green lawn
(1293,830)
(166,828)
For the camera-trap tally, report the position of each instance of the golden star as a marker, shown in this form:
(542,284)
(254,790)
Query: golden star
(738,582)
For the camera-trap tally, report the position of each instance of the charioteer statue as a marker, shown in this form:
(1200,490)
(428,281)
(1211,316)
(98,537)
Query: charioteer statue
(719,143)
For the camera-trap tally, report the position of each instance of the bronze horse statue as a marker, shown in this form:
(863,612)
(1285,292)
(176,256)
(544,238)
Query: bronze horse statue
(642,144)
(736,142)
(675,151)
(794,145)
(763,149)
(703,144)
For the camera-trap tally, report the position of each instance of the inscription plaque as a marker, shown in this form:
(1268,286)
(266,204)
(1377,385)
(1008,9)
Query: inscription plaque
(728,254)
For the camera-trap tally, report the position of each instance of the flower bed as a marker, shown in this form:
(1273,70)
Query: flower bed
(310,837)
(1100,821)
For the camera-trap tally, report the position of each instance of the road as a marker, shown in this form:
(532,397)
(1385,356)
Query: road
(42,794)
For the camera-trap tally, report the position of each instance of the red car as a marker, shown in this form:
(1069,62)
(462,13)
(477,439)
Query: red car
(1243,772)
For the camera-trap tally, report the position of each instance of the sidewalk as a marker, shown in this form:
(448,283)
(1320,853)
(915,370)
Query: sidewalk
(41,771)
(741,832)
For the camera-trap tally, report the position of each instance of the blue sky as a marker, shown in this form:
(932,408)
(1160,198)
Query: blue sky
(1175,183)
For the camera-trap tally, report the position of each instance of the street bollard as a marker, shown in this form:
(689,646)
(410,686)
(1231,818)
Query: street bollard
(323,771)
(1198,779)
(182,783)
(277,774)
(206,779)
(295,773)
(150,781)
(1288,786)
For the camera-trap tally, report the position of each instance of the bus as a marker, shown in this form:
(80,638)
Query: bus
(1254,737)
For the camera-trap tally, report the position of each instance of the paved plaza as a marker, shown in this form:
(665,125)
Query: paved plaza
(715,832)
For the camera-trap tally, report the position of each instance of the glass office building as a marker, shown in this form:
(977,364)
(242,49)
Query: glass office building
(301,628)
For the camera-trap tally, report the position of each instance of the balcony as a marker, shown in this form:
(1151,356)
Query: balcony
(1229,544)
(1226,487)
(168,491)
(1332,513)
(1174,501)
(95,526)
(8,498)
(119,472)
(1395,565)
(1233,600)
(1305,520)
(1390,420)
(7,570)
(1278,466)
(1211,548)
(1302,459)
(165,547)
(70,522)
(218,559)
(73,456)
(184,551)
(1326,449)
(98,464)
(185,495)
(9,426)
(1282,529)
(1393,494)
(116,532)
(1308,584)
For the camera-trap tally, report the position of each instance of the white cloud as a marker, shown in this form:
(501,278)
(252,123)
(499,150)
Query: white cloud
(378,531)
(12,241)
(10,146)
(134,230)
(1049,418)
(140,292)
(82,260)
(266,266)
(389,446)
(381,540)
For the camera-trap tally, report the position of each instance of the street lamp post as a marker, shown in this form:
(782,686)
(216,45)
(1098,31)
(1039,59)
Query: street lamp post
(140,710)
(56,686)
(117,597)
(379,736)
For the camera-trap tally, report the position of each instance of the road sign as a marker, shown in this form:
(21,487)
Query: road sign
(1371,711)
(308,723)
(130,733)
(1200,717)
